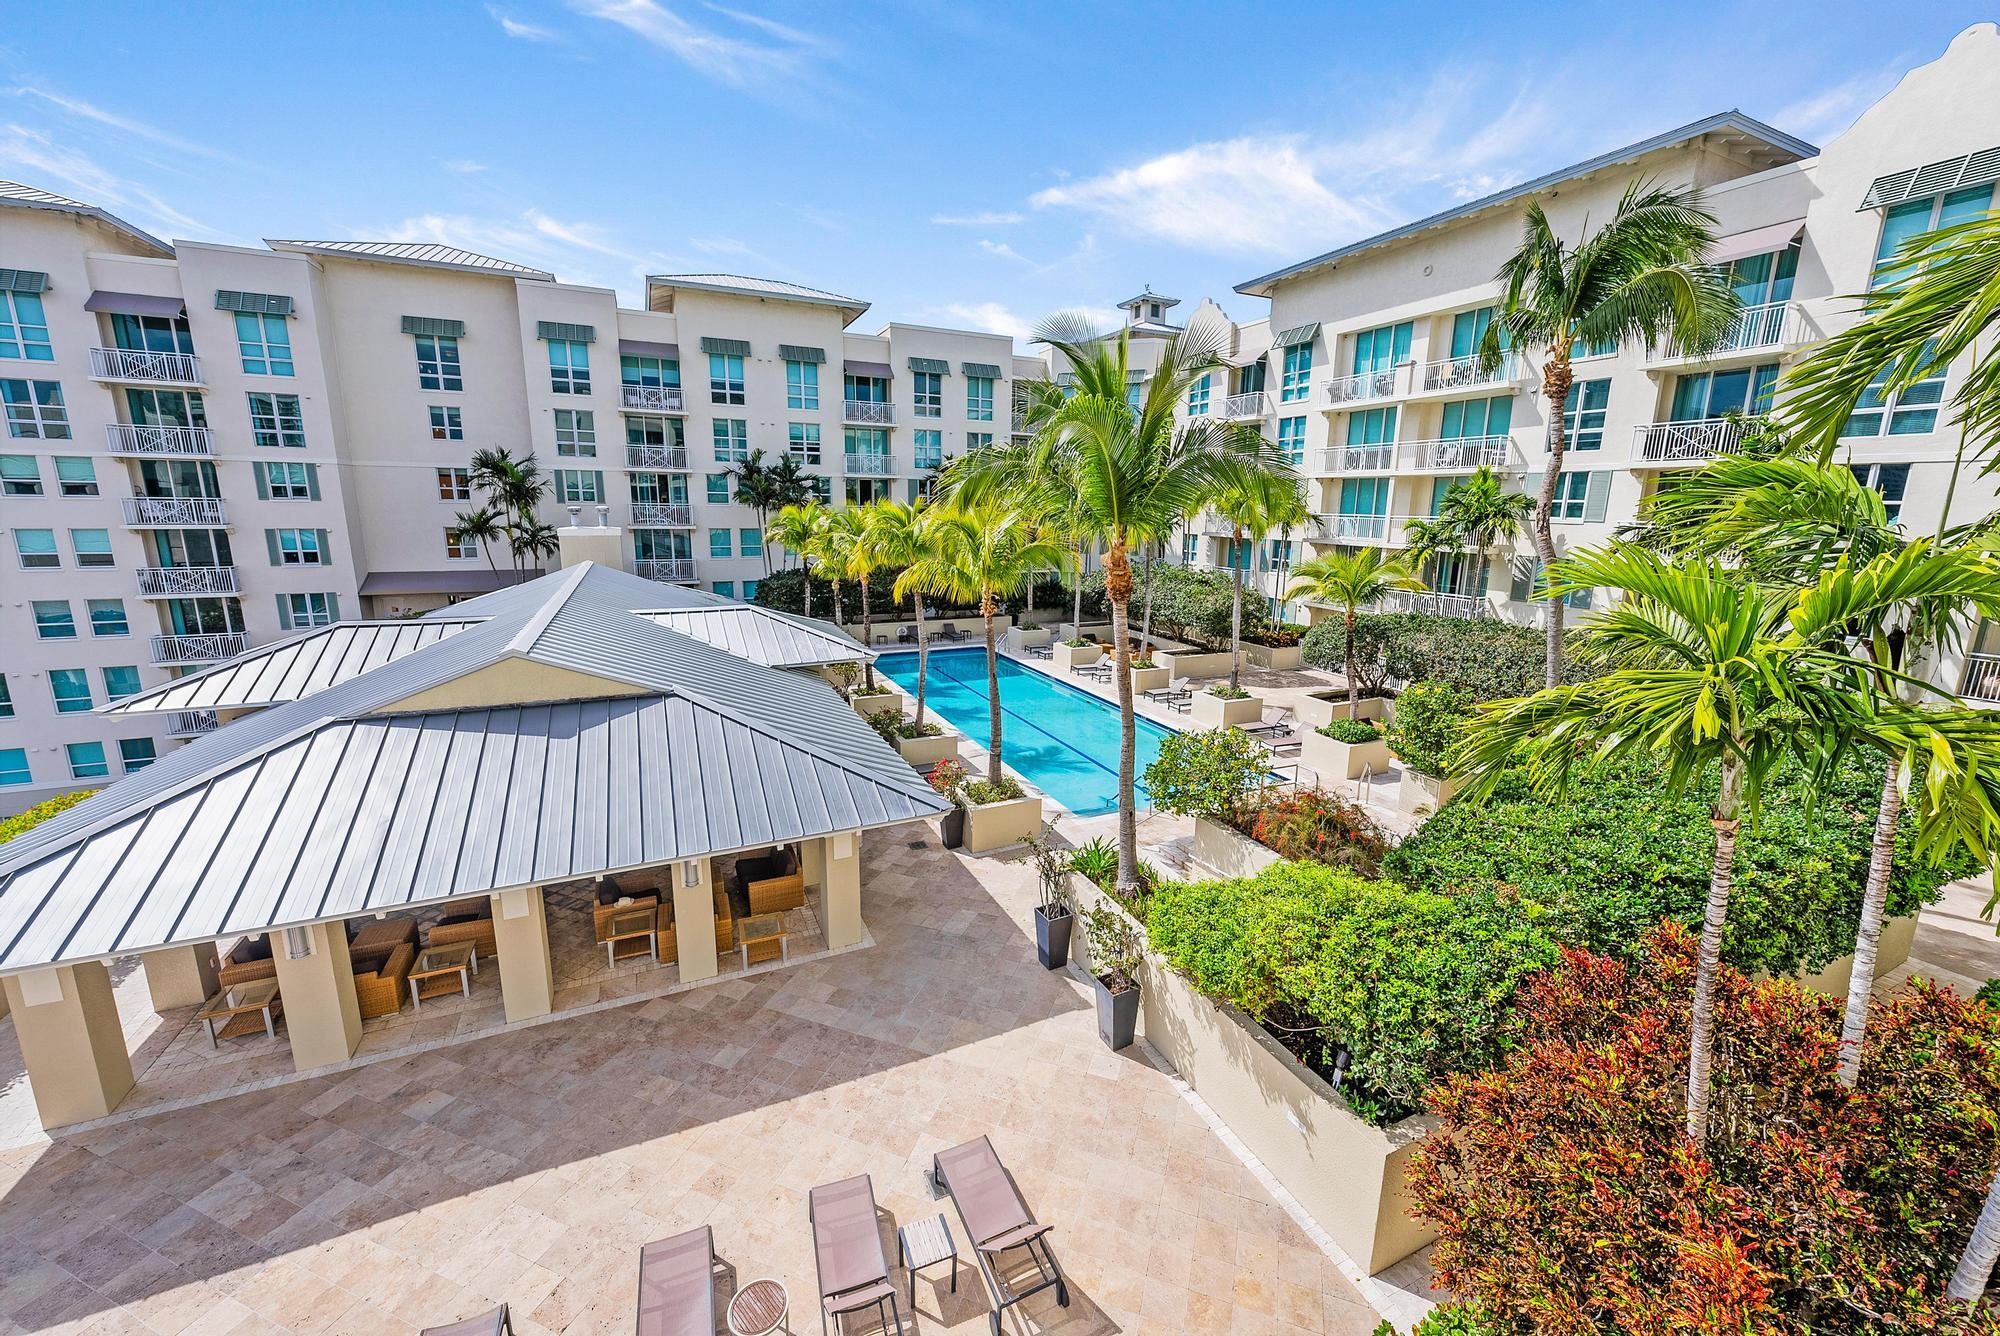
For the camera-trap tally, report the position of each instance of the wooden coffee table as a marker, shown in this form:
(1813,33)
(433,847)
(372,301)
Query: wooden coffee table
(761,930)
(759,1308)
(239,1009)
(436,965)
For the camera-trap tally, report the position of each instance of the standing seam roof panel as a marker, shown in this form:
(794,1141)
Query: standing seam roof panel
(624,807)
(590,835)
(486,825)
(152,851)
(561,793)
(522,815)
(659,832)
(73,901)
(351,882)
(26,894)
(193,857)
(446,824)
(270,875)
(221,891)
(345,787)
(421,799)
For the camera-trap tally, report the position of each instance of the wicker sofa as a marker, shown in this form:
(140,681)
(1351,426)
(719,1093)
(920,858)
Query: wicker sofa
(669,937)
(773,884)
(379,980)
(471,922)
(247,962)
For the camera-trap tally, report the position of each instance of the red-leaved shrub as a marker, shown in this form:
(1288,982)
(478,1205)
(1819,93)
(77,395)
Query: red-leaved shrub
(1313,825)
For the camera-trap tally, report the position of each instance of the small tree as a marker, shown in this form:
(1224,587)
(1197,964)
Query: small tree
(1211,774)
(1254,505)
(1349,581)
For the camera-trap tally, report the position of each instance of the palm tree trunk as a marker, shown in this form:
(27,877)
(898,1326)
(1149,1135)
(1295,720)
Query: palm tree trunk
(806,566)
(867,633)
(1874,900)
(992,690)
(1556,381)
(1236,562)
(1077,625)
(1353,691)
(1975,1264)
(1146,625)
(923,653)
(1118,590)
(1721,878)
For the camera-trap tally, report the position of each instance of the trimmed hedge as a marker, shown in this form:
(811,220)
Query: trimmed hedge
(1491,659)
(1188,605)
(22,822)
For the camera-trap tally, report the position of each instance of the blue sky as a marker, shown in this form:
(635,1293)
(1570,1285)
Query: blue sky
(952,163)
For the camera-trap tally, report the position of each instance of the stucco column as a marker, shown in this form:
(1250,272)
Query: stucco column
(812,862)
(321,1013)
(180,976)
(521,937)
(71,1041)
(694,920)
(840,894)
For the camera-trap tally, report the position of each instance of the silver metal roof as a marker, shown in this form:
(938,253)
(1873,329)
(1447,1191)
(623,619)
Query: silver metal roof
(741,285)
(297,666)
(764,636)
(28,197)
(434,254)
(1783,147)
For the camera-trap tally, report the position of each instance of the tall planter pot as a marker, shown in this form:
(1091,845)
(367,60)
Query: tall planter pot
(951,828)
(1052,937)
(1117,1015)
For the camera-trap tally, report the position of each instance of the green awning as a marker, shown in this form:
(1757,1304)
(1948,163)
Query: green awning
(983,369)
(792,352)
(565,333)
(433,327)
(255,303)
(1935,178)
(1293,337)
(726,347)
(934,365)
(23,280)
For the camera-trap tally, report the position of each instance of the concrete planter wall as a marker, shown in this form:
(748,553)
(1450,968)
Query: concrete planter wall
(1280,658)
(1892,950)
(1149,679)
(1020,638)
(998,825)
(1228,853)
(927,752)
(1423,793)
(1211,711)
(1193,663)
(1351,1177)
(1095,630)
(1323,707)
(890,702)
(973,627)
(1330,758)
(1069,656)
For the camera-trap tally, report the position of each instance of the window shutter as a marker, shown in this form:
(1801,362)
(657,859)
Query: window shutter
(325,552)
(312,481)
(271,544)
(433,326)
(284,613)
(254,303)
(556,329)
(23,280)
(1596,498)
(1522,585)
(726,347)
(792,352)
(263,477)
(935,365)
(333,606)
(984,370)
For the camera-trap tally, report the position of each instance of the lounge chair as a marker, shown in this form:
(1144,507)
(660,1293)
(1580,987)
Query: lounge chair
(677,1285)
(1167,693)
(848,1259)
(907,636)
(486,1324)
(997,1221)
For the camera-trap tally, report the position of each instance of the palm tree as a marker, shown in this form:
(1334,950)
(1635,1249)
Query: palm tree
(1127,474)
(902,534)
(531,541)
(1350,581)
(758,488)
(796,528)
(515,489)
(1260,503)
(1478,512)
(1715,668)
(982,553)
(1640,274)
(845,546)
(481,526)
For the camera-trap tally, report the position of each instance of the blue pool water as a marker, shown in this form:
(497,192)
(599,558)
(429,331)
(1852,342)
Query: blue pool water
(1062,740)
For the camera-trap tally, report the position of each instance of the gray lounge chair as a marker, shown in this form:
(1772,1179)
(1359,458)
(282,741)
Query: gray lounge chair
(997,1221)
(486,1324)
(677,1285)
(853,1271)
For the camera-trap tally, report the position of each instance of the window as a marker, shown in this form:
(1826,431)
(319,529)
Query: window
(822,488)
(14,766)
(1250,380)
(1709,395)
(1469,418)
(54,620)
(76,475)
(278,480)
(979,398)
(726,588)
(135,753)
(1374,426)
(1380,349)
(71,689)
(37,549)
(930,449)
(35,410)
(801,385)
(725,378)
(978,440)
(732,439)
(1581,496)
(1292,438)
(749,589)
(569,366)
(930,393)
(1468,331)
(275,420)
(1580,351)
(1135,393)
(718,543)
(92,547)
(86,760)
(1583,414)
(579,486)
(299,611)
(6,700)
(459,547)
(802,439)
(20,475)
(1914,217)
(107,617)
(446,424)
(1891,480)
(24,328)
(151,333)
(718,489)
(454,484)
(265,343)
(1198,395)
(297,547)
(576,432)
(437,363)
(750,542)
(1295,383)
(1908,412)
(867,389)
(653,372)
(166,408)
(121,682)
(1762,279)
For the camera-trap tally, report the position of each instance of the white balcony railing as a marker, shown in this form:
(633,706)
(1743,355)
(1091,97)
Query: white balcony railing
(191,723)
(1982,678)
(180,581)
(1379,458)
(125,438)
(662,515)
(656,457)
(136,364)
(670,570)
(1364,385)
(1464,373)
(1246,407)
(1686,442)
(868,411)
(1463,453)
(1357,528)
(172,512)
(869,466)
(205,648)
(1470,606)
(651,398)
(1760,326)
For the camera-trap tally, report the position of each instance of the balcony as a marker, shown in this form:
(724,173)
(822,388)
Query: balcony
(174,512)
(147,368)
(1471,607)
(1982,678)
(662,515)
(1251,407)
(123,438)
(667,570)
(191,723)
(656,457)
(868,413)
(1687,442)
(1755,329)
(1449,374)
(869,466)
(1364,386)
(206,648)
(1458,455)
(187,581)
(1378,458)
(651,398)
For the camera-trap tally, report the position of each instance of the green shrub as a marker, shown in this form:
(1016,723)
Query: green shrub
(1412,986)
(1989,993)
(1429,716)
(1209,774)
(980,791)
(1223,691)
(1096,861)
(1324,646)
(894,726)
(1486,657)
(1447,1320)
(1079,642)
(1351,731)
(1188,604)
(22,822)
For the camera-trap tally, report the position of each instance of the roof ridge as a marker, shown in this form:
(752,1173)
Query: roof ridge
(531,631)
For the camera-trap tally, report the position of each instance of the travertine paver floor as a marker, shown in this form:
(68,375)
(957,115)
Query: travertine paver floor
(530,1166)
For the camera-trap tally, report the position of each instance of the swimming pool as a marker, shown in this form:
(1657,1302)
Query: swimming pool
(1063,740)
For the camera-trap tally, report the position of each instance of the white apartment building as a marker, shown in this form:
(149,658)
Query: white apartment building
(210,447)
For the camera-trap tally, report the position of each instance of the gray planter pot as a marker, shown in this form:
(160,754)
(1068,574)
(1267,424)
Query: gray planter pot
(951,828)
(1052,938)
(1117,1015)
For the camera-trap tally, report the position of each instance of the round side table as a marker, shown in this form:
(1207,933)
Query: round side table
(758,1309)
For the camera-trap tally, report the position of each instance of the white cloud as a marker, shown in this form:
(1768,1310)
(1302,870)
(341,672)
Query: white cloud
(1820,116)
(1002,250)
(464,167)
(32,157)
(516,28)
(575,252)
(719,246)
(991,317)
(89,111)
(740,61)
(976,219)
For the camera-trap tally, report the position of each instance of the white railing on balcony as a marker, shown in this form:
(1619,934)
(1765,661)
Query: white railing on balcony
(1472,606)
(670,570)
(662,515)
(125,438)
(153,512)
(177,581)
(1465,452)
(1364,385)
(1760,326)
(205,648)
(656,457)
(1358,458)
(191,723)
(651,398)
(1240,407)
(1020,425)
(1357,528)
(869,465)
(1217,526)
(868,411)
(1462,373)
(1982,678)
(136,364)
(1686,442)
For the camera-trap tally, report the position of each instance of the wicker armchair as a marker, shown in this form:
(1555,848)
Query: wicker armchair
(471,922)
(603,914)
(247,962)
(379,981)
(669,938)
(772,885)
